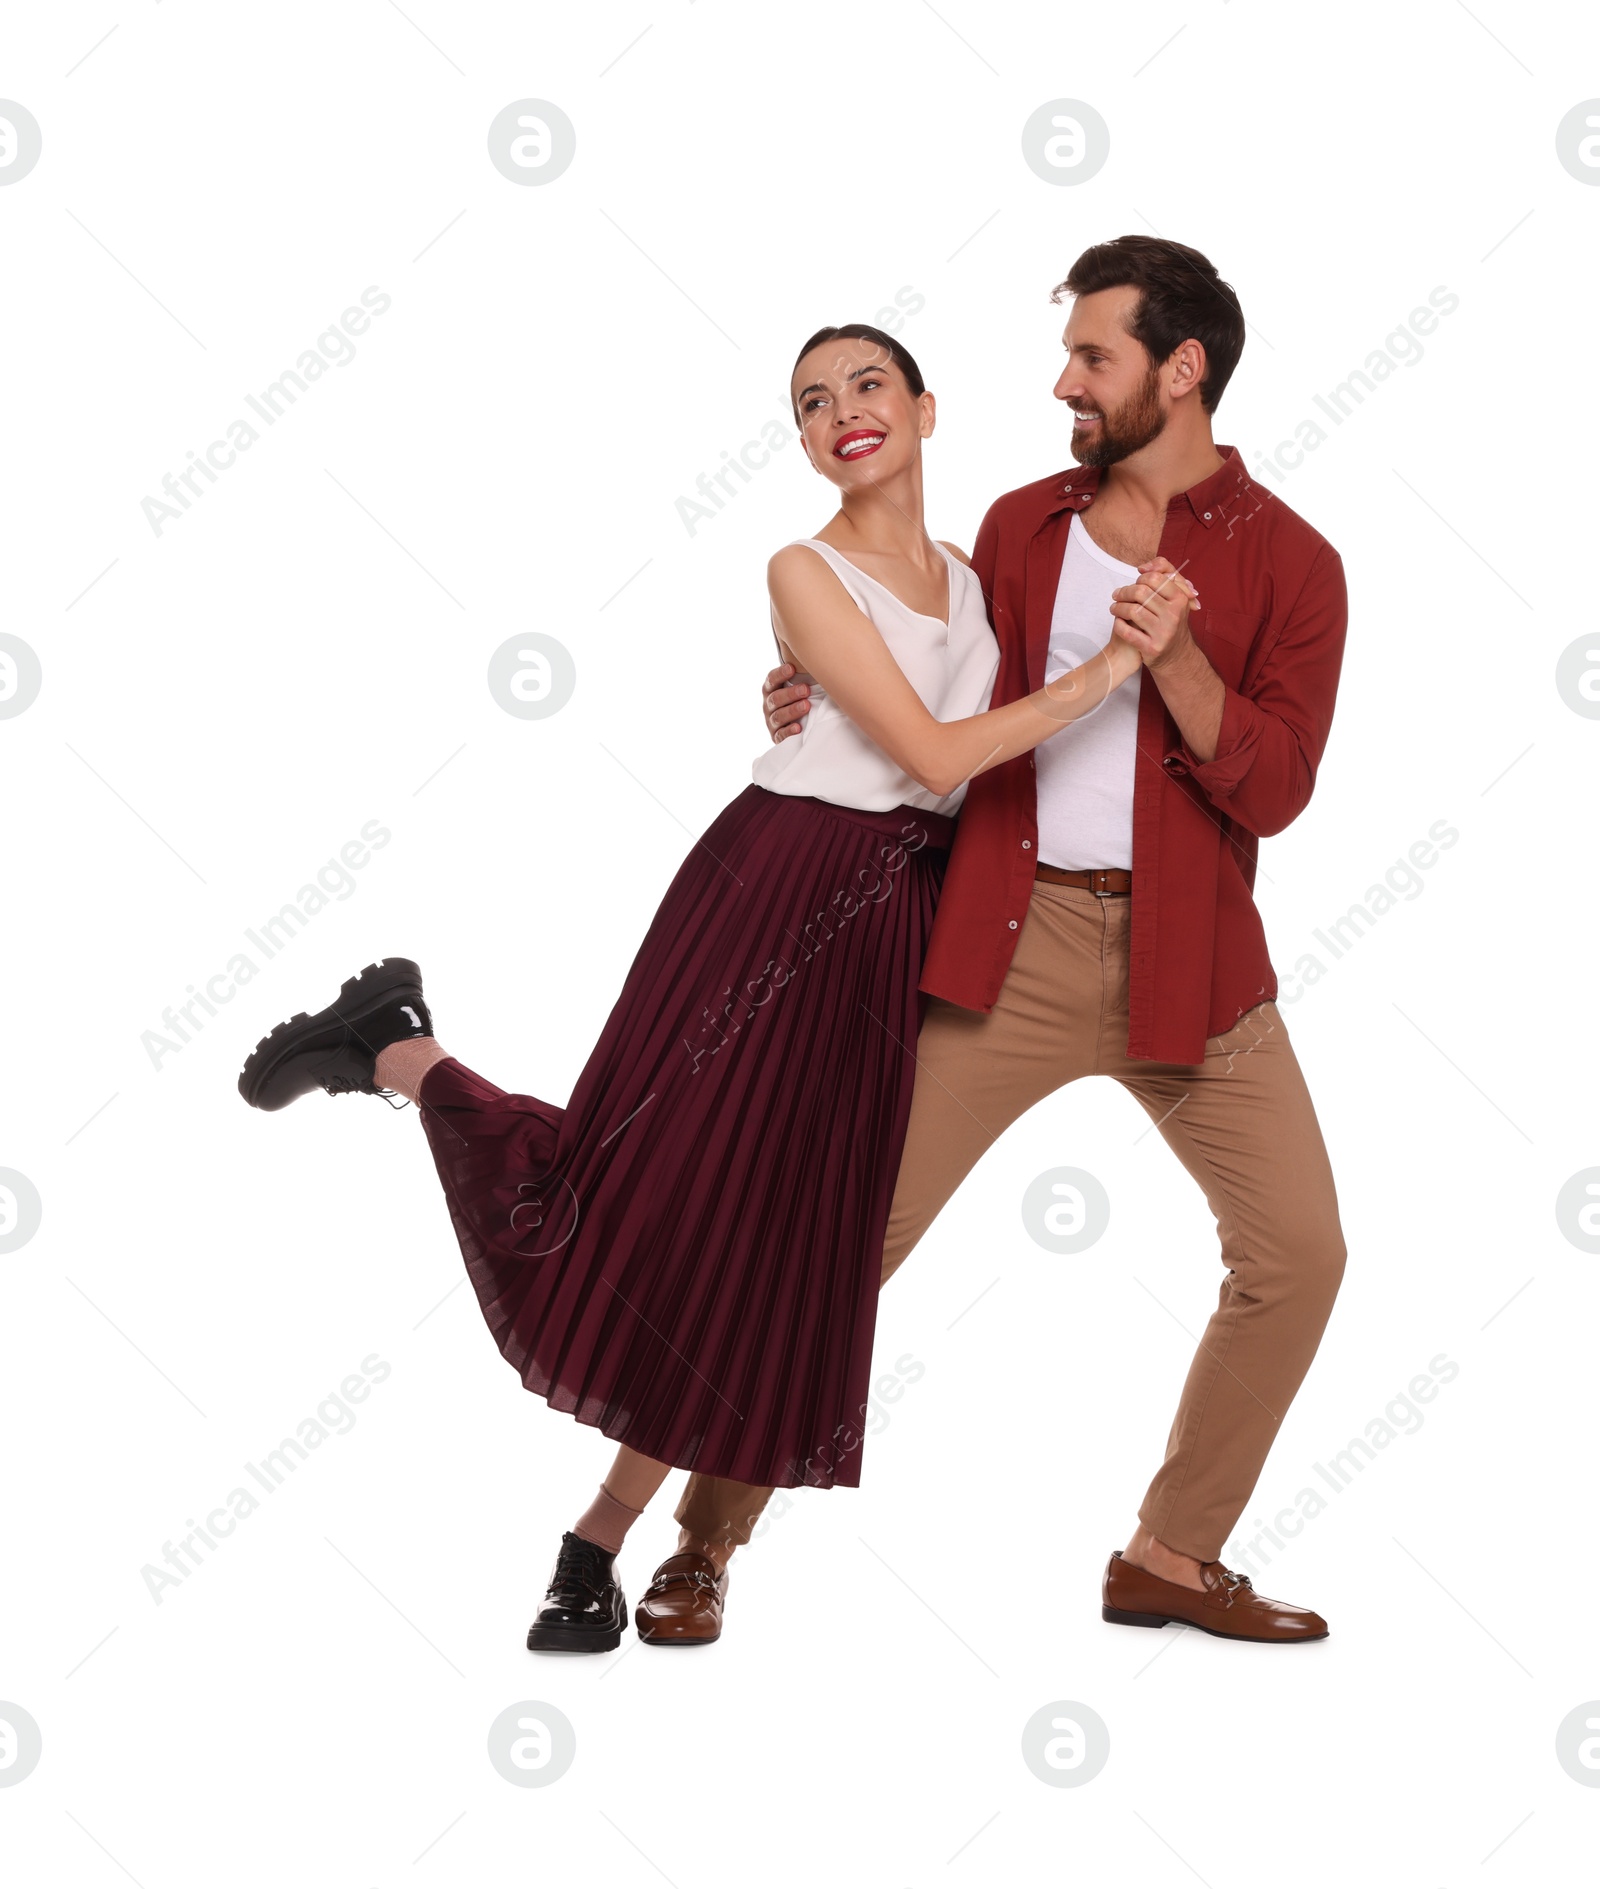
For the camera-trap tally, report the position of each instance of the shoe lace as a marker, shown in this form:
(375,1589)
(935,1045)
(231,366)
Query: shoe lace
(344,1085)
(348,1085)
(582,1570)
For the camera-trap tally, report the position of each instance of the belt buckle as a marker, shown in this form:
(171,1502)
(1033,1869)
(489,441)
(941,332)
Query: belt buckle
(1095,876)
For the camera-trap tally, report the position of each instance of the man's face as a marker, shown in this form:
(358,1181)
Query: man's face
(1109,383)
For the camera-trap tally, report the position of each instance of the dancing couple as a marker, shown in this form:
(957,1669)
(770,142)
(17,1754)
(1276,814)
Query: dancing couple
(848,992)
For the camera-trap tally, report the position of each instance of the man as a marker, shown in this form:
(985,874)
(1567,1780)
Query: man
(1097,915)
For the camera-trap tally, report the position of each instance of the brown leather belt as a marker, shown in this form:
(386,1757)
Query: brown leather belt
(1104,881)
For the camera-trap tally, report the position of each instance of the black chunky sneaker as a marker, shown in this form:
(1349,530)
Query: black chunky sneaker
(584,1610)
(337,1048)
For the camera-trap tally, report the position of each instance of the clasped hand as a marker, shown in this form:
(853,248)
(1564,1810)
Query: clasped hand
(1153,614)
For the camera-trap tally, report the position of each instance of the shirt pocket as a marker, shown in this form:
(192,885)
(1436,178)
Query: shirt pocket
(1226,639)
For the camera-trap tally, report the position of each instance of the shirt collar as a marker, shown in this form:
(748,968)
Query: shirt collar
(1217,495)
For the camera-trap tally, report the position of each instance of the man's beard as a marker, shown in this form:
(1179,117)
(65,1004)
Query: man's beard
(1140,419)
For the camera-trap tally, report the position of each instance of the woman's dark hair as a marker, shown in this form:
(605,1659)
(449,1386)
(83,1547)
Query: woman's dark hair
(1182,297)
(864,331)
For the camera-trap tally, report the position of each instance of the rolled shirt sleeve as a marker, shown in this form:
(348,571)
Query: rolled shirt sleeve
(1275,726)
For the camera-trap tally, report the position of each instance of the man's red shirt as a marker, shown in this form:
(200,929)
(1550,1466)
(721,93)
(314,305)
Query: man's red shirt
(1272,624)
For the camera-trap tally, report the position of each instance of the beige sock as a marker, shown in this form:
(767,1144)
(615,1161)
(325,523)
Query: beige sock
(402,1065)
(606,1521)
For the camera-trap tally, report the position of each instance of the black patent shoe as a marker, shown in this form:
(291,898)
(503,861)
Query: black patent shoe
(337,1049)
(584,1610)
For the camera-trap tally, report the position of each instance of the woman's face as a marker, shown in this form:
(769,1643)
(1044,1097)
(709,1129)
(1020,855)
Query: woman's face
(860,422)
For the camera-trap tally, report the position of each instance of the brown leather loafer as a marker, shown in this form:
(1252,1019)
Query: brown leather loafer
(1229,1607)
(683,1604)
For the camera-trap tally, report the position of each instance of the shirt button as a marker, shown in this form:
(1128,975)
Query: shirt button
(1026,845)
(1208,514)
(1013,924)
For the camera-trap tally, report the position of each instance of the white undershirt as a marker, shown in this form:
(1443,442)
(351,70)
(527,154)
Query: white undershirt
(1085,773)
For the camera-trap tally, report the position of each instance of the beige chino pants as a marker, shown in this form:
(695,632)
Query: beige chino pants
(1241,1122)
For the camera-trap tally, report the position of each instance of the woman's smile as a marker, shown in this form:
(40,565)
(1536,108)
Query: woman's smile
(858,443)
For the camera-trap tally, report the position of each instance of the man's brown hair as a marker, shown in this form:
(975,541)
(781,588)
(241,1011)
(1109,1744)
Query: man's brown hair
(1182,297)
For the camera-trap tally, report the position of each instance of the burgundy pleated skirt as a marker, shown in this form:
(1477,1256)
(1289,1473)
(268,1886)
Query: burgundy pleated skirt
(687,1256)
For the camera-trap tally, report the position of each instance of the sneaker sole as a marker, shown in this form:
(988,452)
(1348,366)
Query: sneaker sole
(358,997)
(574,1639)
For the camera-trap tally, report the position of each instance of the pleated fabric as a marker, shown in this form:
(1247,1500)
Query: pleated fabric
(687,1256)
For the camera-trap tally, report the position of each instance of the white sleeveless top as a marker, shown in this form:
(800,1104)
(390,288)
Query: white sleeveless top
(951,666)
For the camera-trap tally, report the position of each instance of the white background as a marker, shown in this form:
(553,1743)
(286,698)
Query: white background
(225,704)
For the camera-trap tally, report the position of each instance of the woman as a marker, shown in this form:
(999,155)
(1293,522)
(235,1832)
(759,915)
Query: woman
(687,1256)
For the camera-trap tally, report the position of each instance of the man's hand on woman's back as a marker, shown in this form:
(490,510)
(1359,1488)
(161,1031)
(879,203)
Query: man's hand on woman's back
(786,703)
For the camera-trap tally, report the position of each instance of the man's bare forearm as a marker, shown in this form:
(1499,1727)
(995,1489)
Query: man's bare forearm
(1194,694)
